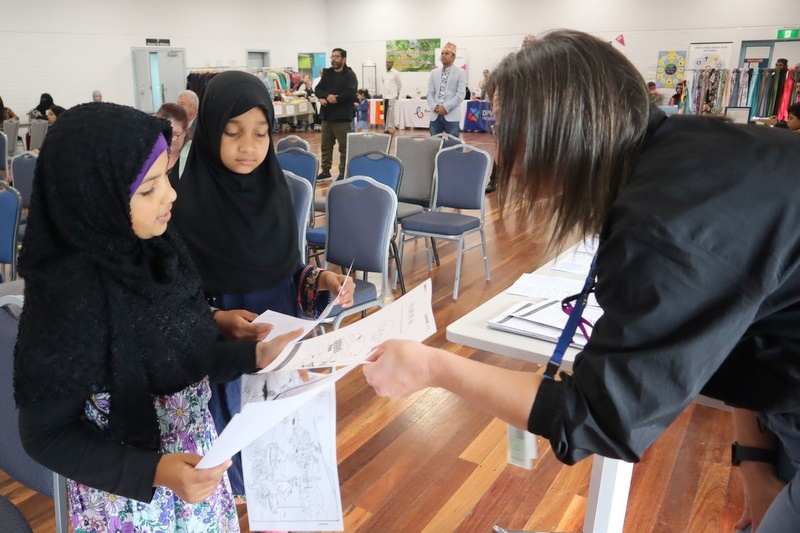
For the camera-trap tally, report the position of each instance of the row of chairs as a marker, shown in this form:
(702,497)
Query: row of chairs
(8,139)
(453,178)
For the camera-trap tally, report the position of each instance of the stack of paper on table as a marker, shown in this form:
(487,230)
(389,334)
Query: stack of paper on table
(543,320)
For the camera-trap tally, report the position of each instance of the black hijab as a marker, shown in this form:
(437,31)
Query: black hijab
(105,310)
(45,103)
(240,228)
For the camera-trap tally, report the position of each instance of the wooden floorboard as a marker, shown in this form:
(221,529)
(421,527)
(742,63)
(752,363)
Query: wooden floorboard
(433,463)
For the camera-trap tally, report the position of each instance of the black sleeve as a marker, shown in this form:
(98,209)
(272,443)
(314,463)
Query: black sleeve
(56,435)
(231,359)
(672,314)
(349,94)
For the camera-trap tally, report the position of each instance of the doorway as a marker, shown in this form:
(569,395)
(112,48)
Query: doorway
(257,59)
(159,74)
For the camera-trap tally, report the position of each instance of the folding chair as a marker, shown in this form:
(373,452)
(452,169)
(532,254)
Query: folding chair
(13,459)
(10,209)
(304,164)
(291,141)
(38,131)
(302,197)
(11,129)
(361,143)
(361,237)
(462,173)
(448,140)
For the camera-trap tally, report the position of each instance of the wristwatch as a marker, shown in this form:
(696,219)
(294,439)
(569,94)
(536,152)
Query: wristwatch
(741,453)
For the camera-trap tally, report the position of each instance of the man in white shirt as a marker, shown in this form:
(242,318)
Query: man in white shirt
(391,92)
(446,90)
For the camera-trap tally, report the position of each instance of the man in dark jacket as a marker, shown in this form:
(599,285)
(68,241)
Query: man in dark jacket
(336,92)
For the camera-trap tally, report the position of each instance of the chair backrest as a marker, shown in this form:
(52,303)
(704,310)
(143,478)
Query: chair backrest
(3,150)
(381,167)
(10,211)
(301,163)
(38,132)
(361,143)
(13,459)
(448,140)
(23,167)
(303,200)
(418,155)
(462,173)
(361,219)
(291,141)
(11,129)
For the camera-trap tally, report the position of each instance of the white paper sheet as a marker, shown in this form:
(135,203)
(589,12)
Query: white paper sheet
(290,472)
(256,418)
(548,287)
(409,317)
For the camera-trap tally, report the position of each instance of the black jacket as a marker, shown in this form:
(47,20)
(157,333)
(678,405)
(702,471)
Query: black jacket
(344,85)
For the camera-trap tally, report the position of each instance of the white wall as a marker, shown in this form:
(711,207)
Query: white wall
(70,48)
(488,30)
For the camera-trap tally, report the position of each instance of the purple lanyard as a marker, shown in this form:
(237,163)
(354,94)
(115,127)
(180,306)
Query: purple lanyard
(575,311)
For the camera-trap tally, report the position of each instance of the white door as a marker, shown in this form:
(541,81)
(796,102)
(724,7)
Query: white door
(158,76)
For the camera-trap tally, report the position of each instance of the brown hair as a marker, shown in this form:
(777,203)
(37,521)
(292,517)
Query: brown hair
(178,114)
(578,112)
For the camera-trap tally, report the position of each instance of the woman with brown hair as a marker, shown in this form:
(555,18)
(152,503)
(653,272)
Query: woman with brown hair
(697,270)
(181,138)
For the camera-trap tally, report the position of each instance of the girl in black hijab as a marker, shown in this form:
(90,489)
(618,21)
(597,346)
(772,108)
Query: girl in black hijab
(115,339)
(234,211)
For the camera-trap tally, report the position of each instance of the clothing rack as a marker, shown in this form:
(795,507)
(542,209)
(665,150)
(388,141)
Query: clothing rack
(765,91)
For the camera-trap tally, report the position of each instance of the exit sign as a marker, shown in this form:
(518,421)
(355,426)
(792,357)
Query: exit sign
(789,34)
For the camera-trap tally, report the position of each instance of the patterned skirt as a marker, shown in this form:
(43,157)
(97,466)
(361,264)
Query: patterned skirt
(186,426)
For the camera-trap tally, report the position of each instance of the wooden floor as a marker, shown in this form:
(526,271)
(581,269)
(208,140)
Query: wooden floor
(434,463)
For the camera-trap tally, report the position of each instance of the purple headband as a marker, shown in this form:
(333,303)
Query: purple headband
(159,148)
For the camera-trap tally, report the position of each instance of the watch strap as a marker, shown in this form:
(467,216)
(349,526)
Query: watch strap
(741,453)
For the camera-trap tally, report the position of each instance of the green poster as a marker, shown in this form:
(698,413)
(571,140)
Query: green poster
(413,55)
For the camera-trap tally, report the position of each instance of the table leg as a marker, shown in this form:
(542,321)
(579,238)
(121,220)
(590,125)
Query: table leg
(608,495)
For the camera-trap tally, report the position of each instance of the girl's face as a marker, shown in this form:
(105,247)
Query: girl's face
(178,136)
(51,117)
(793,122)
(245,141)
(679,89)
(360,96)
(151,204)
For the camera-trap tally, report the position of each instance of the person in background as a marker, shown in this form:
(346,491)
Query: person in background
(656,98)
(446,90)
(181,138)
(362,110)
(190,102)
(677,98)
(336,93)
(97,96)
(129,350)
(391,86)
(793,118)
(781,63)
(6,112)
(699,291)
(52,114)
(234,210)
(483,82)
(38,112)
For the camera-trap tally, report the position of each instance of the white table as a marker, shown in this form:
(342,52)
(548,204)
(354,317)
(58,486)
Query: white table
(611,478)
(415,113)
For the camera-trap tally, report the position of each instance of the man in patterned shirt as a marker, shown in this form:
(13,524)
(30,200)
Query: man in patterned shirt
(446,90)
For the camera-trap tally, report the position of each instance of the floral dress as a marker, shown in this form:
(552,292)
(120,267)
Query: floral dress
(186,426)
